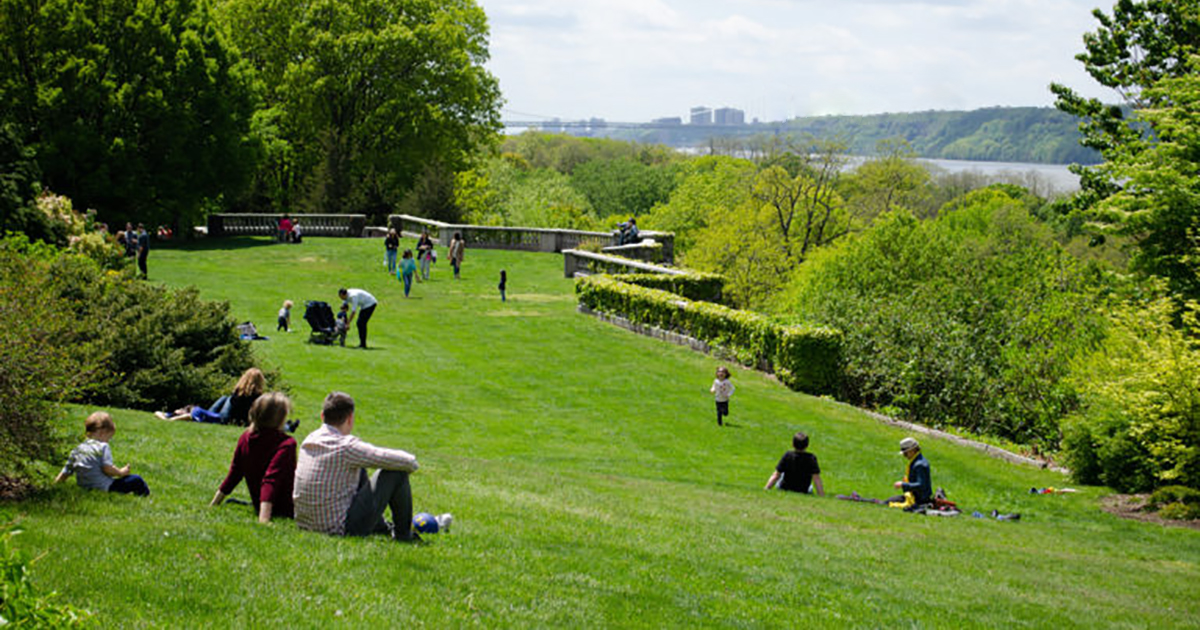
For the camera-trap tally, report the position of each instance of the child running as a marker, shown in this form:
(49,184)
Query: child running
(92,461)
(722,389)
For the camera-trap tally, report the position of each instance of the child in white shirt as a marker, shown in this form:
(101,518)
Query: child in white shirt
(722,389)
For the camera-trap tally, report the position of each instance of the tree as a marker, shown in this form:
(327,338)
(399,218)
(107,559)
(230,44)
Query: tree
(1158,202)
(889,181)
(369,92)
(138,109)
(1141,45)
(622,186)
(706,185)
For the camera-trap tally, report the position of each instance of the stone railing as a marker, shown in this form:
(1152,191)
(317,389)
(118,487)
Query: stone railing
(586,263)
(528,239)
(266,224)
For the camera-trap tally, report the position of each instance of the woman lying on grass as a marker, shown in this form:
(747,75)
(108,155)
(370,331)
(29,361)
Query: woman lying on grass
(265,457)
(231,409)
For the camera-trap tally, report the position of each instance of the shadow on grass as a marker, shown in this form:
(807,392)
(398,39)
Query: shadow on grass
(224,243)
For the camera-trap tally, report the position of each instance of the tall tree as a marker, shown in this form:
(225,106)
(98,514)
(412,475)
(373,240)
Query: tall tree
(368,92)
(1140,44)
(137,108)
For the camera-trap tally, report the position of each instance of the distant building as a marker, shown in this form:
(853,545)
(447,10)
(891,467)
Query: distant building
(702,115)
(669,120)
(729,116)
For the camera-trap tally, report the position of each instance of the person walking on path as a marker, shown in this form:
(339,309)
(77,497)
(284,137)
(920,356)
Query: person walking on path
(456,252)
(333,493)
(391,246)
(362,306)
(424,254)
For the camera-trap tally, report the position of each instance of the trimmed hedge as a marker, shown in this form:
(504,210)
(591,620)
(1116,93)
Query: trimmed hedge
(805,358)
(696,285)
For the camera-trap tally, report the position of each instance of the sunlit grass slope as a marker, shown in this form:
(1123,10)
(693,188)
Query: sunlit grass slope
(589,483)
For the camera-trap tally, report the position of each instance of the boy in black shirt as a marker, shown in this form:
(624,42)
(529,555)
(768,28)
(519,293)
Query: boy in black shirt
(798,469)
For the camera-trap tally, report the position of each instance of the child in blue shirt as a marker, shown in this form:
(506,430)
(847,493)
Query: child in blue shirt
(92,461)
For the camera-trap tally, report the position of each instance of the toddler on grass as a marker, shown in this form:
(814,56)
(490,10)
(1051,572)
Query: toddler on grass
(342,324)
(722,389)
(285,317)
(92,461)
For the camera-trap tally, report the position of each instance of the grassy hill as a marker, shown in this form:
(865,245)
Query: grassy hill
(589,483)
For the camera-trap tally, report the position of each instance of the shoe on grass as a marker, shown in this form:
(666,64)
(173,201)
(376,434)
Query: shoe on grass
(444,521)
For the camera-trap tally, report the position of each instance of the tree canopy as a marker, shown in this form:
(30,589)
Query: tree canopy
(363,95)
(136,109)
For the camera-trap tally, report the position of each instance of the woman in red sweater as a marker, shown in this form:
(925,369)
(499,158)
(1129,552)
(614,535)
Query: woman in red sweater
(266,458)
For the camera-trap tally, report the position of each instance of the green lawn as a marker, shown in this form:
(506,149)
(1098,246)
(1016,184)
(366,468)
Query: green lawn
(589,482)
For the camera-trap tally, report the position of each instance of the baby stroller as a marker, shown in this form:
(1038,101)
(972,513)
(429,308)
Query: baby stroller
(319,316)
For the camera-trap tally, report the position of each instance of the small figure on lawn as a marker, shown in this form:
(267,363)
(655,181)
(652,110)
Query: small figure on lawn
(503,284)
(285,317)
(721,390)
(798,469)
(342,325)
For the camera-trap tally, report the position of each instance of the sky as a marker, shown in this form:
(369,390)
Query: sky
(636,60)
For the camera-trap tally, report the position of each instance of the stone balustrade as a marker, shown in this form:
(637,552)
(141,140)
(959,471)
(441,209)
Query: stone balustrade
(586,263)
(529,239)
(346,225)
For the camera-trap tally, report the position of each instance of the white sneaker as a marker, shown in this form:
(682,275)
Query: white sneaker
(444,521)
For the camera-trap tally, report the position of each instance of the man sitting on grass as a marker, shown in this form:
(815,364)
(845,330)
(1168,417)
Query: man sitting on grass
(917,482)
(333,493)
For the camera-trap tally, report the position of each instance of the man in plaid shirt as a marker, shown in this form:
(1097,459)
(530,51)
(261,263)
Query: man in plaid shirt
(333,493)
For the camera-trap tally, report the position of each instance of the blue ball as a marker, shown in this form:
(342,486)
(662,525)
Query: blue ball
(425,523)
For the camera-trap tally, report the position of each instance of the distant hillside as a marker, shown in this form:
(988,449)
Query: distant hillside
(1004,134)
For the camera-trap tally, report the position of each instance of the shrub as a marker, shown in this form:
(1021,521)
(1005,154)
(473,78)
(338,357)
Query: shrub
(39,370)
(696,285)
(1179,512)
(1175,494)
(158,347)
(807,359)
(970,320)
(20,604)
(1141,386)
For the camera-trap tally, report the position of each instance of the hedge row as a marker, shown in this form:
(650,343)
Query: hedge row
(806,359)
(696,285)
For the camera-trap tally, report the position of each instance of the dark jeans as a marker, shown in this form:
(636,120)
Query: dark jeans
(130,484)
(722,410)
(142,263)
(283,324)
(408,278)
(385,489)
(363,317)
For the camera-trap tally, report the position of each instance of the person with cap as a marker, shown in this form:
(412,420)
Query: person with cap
(917,480)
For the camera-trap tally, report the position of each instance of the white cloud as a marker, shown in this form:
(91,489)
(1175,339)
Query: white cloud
(640,59)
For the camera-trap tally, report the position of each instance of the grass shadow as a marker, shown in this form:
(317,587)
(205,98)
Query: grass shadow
(223,243)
